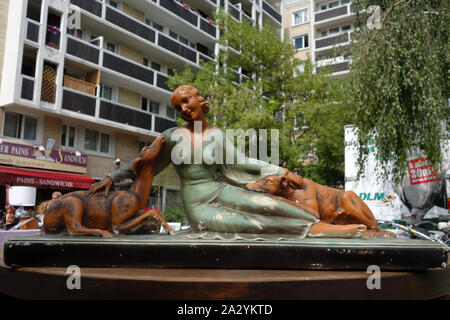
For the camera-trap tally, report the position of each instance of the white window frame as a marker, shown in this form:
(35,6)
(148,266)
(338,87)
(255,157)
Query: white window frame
(119,4)
(298,12)
(301,36)
(113,92)
(149,101)
(97,151)
(75,140)
(20,135)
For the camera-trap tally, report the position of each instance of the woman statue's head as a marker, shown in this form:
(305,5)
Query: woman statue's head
(189,103)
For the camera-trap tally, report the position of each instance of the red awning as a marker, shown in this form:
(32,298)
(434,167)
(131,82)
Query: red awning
(45,178)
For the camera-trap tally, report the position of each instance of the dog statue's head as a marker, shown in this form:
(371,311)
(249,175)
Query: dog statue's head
(148,154)
(274,185)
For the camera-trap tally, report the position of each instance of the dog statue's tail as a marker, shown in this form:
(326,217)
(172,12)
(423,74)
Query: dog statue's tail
(43,207)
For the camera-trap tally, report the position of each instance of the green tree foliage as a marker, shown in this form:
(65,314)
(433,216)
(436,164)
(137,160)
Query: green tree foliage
(303,106)
(399,79)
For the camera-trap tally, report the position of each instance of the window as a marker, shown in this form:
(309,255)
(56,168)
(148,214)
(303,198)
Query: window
(301,42)
(300,17)
(68,136)
(110,46)
(19,126)
(170,112)
(145,62)
(173,35)
(345,28)
(149,105)
(324,33)
(106,92)
(333,4)
(184,40)
(96,141)
(156,66)
(11,127)
(157,26)
(30,129)
(334,30)
(114,4)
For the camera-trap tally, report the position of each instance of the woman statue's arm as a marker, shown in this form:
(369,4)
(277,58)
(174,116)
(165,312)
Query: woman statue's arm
(125,172)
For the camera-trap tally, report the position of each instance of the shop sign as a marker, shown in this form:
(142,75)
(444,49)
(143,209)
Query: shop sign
(42,158)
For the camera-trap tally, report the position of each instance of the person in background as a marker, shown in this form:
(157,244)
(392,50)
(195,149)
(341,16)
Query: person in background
(56,195)
(11,220)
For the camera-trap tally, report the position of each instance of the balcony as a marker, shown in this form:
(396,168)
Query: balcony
(32,33)
(333,40)
(27,89)
(83,50)
(127,67)
(92,6)
(333,13)
(86,51)
(112,111)
(177,48)
(271,11)
(334,65)
(130,24)
(79,85)
(78,102)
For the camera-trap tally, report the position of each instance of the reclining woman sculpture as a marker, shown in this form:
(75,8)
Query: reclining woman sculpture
(214,195)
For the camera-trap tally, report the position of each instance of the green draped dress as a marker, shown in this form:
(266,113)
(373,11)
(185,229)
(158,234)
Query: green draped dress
(213,189)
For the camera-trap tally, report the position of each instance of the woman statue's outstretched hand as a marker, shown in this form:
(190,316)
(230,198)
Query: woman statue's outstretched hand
(104,184)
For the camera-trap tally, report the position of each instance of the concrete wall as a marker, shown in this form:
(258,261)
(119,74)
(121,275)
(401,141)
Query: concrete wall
(131,54)
(290,31)
(98,167)
(133,12)
(129,98)
(126,147)
(4,5)
(52,129)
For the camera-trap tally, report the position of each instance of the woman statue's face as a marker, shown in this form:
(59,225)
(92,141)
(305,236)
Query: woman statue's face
(188,105)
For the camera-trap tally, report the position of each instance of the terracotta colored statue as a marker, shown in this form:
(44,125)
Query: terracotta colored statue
(214,194)
(103,213)
(331,205)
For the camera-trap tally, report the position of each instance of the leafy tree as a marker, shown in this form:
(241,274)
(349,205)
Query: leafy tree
(274,95)
(399,80)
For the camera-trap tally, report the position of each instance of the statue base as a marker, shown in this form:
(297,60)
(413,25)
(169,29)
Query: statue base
(164,251)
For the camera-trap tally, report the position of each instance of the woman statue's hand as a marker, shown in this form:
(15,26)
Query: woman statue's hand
(104,184)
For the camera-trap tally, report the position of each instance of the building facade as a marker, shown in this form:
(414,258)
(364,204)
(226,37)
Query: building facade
(83,83)
(320,29)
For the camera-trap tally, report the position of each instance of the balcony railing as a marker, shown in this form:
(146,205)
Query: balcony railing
(128,68)
(332,40)
(161,82)
(112,111)
(332,13)
(234,11)
(93,6)
(78,102)
(334,65)
(82,50)
(125,115)
(271,11)
(129,24)
(177,48)
(190,16)
(32,30)
(117,63)
(79,85)
(180,11)
(27,90)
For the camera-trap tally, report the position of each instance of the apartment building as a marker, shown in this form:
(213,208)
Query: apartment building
(320,29)
(83,83)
